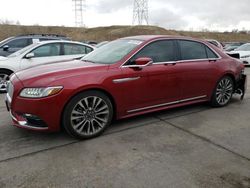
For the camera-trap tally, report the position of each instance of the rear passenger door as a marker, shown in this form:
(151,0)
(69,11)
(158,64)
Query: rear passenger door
(198,71)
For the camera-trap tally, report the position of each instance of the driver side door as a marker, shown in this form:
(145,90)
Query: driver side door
(158,83)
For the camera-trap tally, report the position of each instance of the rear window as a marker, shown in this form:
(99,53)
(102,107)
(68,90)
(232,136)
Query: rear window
(211,54)
(191,50)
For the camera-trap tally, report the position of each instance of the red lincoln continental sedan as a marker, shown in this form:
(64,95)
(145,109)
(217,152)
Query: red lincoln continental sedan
(127,77)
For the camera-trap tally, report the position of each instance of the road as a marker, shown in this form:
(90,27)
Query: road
(194,146)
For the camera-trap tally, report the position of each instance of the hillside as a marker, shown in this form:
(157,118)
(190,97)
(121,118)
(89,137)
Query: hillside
(114,32)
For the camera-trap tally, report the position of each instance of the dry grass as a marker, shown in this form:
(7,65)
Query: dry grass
(114,32)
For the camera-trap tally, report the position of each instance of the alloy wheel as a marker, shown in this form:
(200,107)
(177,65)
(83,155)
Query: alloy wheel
(4,78)
(224,91)
(90,115)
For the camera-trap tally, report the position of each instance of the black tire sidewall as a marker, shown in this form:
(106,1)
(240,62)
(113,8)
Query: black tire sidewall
(66,122)
(214,101)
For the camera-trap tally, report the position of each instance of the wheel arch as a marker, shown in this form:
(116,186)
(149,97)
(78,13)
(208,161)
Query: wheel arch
(230,74)
(6,69)
(108,94)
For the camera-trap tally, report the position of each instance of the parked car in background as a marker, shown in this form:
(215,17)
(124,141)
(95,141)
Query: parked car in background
(101,44)
(216,43)
(244,53)
(40,53)
(92,43)
(126,77)
(232,46)
(13,44)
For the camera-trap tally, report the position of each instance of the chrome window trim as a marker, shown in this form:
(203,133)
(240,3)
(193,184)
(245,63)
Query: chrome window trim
(172,62)
(152,63)
(167,104)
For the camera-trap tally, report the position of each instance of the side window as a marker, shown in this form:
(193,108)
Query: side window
(88,50)
(18,43)
(47,50)
(211,54)
(72,49)
(192,50)
(160,51)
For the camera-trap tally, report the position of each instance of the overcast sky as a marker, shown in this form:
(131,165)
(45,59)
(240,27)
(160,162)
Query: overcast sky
(172,14)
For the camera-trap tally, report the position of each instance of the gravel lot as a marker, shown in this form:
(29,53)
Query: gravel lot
(194,146)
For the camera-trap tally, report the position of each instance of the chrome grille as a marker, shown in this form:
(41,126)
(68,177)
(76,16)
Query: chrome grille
(10,89)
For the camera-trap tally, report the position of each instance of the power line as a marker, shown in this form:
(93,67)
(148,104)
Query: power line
(79,7)
(140,12)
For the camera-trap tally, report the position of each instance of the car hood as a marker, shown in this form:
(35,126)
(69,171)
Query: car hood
(47,73)
(3,58)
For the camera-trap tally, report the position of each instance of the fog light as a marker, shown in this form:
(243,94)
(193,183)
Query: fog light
(31,116)
(34,121)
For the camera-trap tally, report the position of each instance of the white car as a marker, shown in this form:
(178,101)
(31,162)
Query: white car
(40,53)
(244,52)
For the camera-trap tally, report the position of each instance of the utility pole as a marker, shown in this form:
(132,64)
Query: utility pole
(140,12)
(79,7)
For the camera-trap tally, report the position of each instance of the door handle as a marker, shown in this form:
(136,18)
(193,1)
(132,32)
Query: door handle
(121,80)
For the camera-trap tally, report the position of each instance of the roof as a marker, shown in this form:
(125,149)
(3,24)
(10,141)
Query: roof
(151,37)
(63,41)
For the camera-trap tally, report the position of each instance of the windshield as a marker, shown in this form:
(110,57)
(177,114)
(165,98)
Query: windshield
(112,52)
(23,50)
(4,41)
(244,47)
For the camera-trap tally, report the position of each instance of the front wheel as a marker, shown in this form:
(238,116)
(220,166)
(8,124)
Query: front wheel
(87,115)
(223,92)
(4,78)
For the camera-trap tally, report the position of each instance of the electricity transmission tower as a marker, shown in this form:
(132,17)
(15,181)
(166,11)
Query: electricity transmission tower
(140,12)
(79,7)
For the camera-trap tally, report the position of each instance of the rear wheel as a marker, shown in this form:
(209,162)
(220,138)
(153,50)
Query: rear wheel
(4,78)
(88,114)
(223,92)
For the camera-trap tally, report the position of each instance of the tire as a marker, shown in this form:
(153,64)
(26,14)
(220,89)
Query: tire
(223,92)
(87,115)
(4,77)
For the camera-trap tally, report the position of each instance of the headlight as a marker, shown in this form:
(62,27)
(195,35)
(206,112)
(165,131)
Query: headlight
(40,92)
(245,56)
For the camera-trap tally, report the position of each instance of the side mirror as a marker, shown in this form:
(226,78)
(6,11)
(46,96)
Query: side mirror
(6,48)
(143,61)
(30,55)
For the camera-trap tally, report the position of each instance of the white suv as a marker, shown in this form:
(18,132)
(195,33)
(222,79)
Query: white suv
(40,53)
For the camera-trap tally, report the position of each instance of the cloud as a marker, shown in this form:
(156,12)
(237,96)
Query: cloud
(182,14)
(173,14)
(109,6)
(165,18)
(222,13)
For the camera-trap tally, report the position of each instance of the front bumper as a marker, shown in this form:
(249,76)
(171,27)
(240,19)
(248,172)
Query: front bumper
(36,114)
(43,114)
(23,120)
(245,61)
